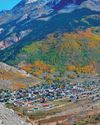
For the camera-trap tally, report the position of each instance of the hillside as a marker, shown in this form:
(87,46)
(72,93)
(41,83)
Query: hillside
(12,78)
(60,56)
(60,50)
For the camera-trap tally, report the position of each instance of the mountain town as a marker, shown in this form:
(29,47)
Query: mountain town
(50,62)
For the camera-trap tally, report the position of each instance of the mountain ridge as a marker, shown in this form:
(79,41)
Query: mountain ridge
(15,24)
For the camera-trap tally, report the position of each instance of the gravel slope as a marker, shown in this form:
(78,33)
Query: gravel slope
(9,117)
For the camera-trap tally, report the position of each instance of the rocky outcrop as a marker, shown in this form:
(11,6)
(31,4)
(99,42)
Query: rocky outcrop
(9,117)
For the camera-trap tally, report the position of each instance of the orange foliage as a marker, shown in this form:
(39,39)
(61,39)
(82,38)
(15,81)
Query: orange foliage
(38,68)
(41,65)
(38,72)
(70,35)
(85,69)
(19,85)
(94,44)
(87,33)
(75,40)
(27,67)
(71,68)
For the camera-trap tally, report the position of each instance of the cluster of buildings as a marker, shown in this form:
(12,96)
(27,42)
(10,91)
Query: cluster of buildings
(42,94)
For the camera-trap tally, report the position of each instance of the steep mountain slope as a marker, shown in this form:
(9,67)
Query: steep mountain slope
(57,51)
(12,78)
(29,18)
(35,9)
(60,23)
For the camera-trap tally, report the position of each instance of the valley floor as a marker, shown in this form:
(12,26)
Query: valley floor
(79,113)
(77,103)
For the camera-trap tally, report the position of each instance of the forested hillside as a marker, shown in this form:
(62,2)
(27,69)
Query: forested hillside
(75,51)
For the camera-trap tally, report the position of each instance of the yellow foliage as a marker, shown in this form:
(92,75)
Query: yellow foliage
(49,81)
(71,67)
(27,67)
(84,69)
(19,85)
(94,44)
(41,65)
(38,68)
(38,72)
(85,34)
(47,76)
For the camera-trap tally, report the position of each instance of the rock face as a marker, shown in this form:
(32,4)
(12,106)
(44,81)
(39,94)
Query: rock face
(92,5)
(9,117)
